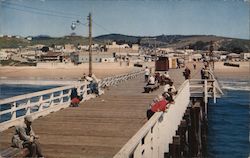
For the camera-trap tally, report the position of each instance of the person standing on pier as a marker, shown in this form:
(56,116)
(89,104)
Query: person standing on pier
(194,65)
(147,72)
(187,73)
(25,137)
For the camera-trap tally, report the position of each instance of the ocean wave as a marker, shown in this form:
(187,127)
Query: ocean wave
(242,85)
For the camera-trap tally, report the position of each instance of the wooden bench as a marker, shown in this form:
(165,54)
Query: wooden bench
(14,152)
(150,88)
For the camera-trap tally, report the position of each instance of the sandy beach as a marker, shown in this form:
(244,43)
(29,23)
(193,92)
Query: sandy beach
(107,69)
(229,72)
(67,73)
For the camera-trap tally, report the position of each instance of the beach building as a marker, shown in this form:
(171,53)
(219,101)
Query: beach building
(4,55)
(233,56)
(69,48)
(223,57)
(135,47)
(83,57)
(245,56)
(52,57)
(10,50)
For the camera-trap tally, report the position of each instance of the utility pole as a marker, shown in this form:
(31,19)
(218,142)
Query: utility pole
(90,44)
(211,54)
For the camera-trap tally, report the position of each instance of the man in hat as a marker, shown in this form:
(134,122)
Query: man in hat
(25,137)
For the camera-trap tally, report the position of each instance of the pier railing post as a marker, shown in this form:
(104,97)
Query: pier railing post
(205,91)
(13,111)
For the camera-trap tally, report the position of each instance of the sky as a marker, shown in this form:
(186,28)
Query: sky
(228,18)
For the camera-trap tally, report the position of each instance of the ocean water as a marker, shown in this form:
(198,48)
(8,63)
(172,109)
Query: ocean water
(11,90)
(228,121)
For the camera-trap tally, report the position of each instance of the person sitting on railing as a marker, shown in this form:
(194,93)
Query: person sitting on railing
(25,137)
(159,104)
(170,88)
(94,85)
(75,98)
(83,78)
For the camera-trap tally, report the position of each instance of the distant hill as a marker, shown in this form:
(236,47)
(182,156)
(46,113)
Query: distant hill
(197,42)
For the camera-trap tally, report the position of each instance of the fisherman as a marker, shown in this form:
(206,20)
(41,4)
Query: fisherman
(25,137)
(159,104)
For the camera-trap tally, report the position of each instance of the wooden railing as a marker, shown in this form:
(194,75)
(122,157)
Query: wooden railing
(38,104)
(153,139)
(115,80)
(206,88)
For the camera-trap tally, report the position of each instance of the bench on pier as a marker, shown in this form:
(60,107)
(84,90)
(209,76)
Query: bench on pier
(14,152)
(150,88)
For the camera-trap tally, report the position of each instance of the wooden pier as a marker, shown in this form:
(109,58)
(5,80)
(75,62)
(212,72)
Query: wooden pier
(100,127)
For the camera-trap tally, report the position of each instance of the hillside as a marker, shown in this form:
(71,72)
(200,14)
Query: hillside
(197,42)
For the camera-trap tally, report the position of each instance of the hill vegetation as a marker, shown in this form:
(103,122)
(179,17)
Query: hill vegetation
(196,42)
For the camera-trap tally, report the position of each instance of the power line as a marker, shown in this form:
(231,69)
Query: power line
(40,9)
(37,12)
(108,31)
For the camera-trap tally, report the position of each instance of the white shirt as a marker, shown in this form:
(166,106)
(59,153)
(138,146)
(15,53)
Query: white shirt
(166,75)
(167,86)
(151,80)
(147,71)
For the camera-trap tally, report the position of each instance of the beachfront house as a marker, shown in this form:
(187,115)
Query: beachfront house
(83,57)
(4,55)
(223,57)
(245,56)
(233,57)
(52,57)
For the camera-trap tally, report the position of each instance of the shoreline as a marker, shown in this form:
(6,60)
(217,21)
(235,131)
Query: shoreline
(229,72)
(62,74)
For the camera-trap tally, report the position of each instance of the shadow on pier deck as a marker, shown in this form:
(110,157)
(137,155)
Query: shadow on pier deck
(98,128)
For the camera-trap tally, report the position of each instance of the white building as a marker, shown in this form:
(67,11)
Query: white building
(115,46)
(4,55)
(223,57)
(245,56)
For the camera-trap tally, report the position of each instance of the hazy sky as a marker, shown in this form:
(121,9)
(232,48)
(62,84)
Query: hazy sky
(228,18)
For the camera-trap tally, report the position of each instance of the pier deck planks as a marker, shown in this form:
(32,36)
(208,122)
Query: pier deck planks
(100,126)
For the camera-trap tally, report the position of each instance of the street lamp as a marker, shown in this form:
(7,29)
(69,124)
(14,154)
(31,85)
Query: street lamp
(75,23)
